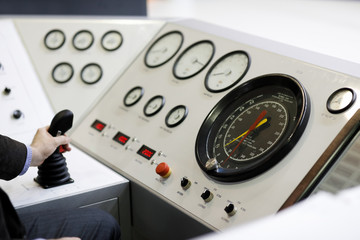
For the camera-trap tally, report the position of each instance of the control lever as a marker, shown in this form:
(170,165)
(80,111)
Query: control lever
(54,172)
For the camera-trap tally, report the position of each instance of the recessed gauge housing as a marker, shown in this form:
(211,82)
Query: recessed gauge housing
(227,71)
(133,96)
(62,72)
(193,59)
(91,73)
(154,105)
(252,128)
(83,40)
(54,39)
(176,116)
(111,40)
(341,100)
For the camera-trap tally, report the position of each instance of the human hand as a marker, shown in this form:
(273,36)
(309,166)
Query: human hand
(43,145)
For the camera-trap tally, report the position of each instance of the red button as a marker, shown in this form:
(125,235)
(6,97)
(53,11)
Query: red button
(163,170)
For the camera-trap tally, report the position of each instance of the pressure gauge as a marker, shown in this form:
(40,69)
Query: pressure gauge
(193,59)
(91,73)
(176,116)
(163,49)
(133,96)
(227,71)
(83,40)
(111,40)
(62,72)
(154,105)
(54,39)
(341,100)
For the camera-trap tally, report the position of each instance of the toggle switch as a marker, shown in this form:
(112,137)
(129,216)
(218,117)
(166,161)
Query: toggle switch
(7,91)
(207,195)
(163,170)
(230,209)
(185,183)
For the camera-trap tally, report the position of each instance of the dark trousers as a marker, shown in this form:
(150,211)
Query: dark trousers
(85,223)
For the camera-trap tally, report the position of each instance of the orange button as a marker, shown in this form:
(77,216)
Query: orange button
(163,170)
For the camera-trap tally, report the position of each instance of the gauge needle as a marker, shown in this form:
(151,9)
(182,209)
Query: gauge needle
(251,128)
(259,124)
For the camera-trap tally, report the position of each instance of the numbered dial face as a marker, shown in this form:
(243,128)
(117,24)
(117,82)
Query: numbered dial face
(54,39)
(227,71)
(252,128)
(193,60)
(83,40)
(111,40)
(154,105)
(176,116)
(341,100)
(62,72)
(91,73)
(133,96)
(163,49)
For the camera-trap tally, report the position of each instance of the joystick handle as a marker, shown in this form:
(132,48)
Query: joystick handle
(61,123)
(54,172)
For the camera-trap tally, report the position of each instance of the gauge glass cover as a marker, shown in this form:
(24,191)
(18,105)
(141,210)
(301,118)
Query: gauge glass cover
(252,128)
(91,73)
(111,40)
(54,39)
(227,71)
(341,100)
(154,105)
(193,59)
(133,96)
(163,49)
(62,72)
(176,116)
(83,40)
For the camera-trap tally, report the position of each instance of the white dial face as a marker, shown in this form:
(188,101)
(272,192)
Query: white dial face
(111,40)
(83,40)
(227,71)
(154,105)
(163,49)
(91,73)
(54,39)
(133,96)
(176,116)
(341,100)
(62,72)
(193,59)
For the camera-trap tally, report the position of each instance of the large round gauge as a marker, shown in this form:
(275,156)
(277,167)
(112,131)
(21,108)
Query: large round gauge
(252,128)
(163,49)
(227,71)
(193,59)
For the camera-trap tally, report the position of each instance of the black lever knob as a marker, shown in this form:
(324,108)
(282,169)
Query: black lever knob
(54,172)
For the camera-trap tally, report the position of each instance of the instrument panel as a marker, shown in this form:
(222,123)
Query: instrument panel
(216,127)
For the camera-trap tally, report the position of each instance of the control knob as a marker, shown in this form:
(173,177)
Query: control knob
(185,183)
(207,195)
(230,209)
(17,114)
(7,91)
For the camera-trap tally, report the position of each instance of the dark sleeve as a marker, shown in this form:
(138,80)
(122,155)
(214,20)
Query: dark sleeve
(12,157)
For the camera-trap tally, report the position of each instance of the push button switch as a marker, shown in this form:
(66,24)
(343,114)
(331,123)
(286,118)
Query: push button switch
(163,170)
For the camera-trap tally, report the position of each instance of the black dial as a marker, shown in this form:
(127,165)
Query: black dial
(252,128)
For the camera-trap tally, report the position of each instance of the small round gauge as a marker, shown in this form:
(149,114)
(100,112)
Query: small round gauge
(154,105)
(252,128)
(176,116)
(341,100)
(163,49)
(193,59)
(133,96)
(91,73)
(62,72)
(227,71)
(111,40)
(83,40)
(54,39)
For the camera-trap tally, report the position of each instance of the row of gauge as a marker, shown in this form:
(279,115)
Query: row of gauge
(83,40)
(223,74)
(173,118)
(63,72)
